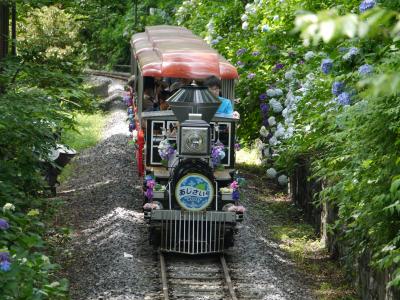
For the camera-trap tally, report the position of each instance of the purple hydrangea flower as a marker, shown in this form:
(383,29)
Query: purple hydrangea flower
(240,64)
(5,266)
(251,76)
(262,97)
(241,51)
(337,88)
(365,70)
(265,121)
(327,65)
(4,224)
(237,146)
(279,66)
(343,99)
(4,256)
(132,127)
(255,53)
(264,108)
(366,5)
(301,62)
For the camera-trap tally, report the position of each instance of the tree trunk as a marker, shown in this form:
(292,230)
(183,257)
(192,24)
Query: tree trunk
(4,29)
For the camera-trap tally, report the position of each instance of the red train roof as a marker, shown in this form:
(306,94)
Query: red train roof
(171,51)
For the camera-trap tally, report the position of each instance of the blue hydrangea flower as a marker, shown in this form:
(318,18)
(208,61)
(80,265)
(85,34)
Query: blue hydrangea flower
(241,51)
(343,99)
(255,53)
(366,5)
(240,64)
(365,70)
(327,65)
(353,51)
(251,76)
(265,28)
(4,224)
(337,88)
(5,266)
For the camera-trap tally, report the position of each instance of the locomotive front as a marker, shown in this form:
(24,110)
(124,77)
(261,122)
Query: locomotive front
(191,215)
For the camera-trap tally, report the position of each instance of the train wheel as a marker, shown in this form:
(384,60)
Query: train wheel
(154,238)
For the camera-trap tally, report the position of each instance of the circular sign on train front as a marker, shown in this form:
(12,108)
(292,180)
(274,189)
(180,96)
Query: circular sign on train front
(194,192)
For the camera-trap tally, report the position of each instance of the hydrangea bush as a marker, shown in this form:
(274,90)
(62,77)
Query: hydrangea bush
(334,102)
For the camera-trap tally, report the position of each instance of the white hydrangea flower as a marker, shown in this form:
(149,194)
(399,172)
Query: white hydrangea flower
(271,92)
(283,180)
(289,98)
(266,152)
(280,130)
(310,76)
(276,18)
(289,75)
(285,113)
(309,55)
(244,18)
(289,132)
(278,92)
(271,173)
(245,25)
(273,141)
(8,207)
(271,121)
(276,105)
(263,131)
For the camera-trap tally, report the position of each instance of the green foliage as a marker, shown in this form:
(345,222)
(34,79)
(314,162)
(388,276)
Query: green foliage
(37,103)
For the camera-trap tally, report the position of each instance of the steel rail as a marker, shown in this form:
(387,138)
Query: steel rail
(116,75)
(164,276)
(228,280)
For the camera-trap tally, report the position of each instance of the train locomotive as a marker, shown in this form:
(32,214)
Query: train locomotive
(186,154)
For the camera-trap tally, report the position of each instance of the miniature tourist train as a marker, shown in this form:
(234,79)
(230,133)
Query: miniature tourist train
(185,149)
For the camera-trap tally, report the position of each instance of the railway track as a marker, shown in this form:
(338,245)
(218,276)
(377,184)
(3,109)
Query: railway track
(200,278)
(116,75)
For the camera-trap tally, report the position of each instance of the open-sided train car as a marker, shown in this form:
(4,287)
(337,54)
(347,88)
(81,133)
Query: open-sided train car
(186,155)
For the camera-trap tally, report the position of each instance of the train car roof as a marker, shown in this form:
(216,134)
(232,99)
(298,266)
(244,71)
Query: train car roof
(172,51)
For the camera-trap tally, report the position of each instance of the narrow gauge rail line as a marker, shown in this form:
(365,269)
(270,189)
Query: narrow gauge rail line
(116,75)
(205,277)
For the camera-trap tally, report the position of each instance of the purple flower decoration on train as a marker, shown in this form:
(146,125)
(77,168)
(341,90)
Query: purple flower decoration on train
(217,154)
(262,97)
(337,88)
(235,195)
(365,70)
(151,183)
(251,76)
(237,146)
(149,194)
(343,99)
(326,65)
(241,51)
(366,5)
(4,224)
(255,53)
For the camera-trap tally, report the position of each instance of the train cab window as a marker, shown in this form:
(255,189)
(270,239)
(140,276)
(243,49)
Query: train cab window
(156,138)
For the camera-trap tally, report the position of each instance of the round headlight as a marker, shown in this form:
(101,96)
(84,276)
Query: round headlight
(194,142)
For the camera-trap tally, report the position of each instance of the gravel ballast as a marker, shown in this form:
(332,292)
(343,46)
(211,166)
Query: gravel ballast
(110,254)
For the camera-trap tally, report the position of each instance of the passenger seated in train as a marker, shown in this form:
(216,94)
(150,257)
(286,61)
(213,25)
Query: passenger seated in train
(162,97)
(214,85)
